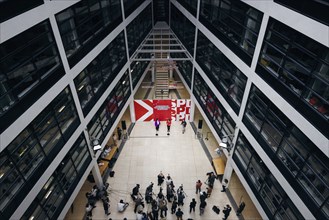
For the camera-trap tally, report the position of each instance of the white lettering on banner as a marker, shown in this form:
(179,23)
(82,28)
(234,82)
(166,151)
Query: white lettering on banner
(181,102)
(162,107)
(180,109)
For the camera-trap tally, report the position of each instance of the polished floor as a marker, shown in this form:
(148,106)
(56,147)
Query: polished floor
(145,155)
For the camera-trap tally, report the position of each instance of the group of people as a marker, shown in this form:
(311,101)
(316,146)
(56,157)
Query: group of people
(158,203)
(93,196)
(211,177)
(168,123)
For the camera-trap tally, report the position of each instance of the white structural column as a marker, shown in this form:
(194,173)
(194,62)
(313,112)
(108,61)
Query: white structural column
(95,170)
(192,110)
(228,171)
(96,174)
(132,110)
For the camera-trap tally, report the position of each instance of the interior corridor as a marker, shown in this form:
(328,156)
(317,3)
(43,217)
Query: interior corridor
(144,155)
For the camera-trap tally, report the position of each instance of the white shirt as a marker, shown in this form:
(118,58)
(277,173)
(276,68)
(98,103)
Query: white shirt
(121,207)
(139,216)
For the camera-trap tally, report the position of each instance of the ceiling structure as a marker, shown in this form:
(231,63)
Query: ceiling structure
(161,44)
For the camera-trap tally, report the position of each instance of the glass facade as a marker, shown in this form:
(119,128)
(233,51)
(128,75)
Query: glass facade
(9,9)
(131,5)
(24,160)
(103,120)
(235,23)
(85,24)
(183,28)
(317,10)
(190,5)
(185,67)
(97,76)
(266,188)
(227,78)
(216,113)
(138,29)
(137,69)
(160,10)
(297,67)
(29,66)
(53,196)
(300,161)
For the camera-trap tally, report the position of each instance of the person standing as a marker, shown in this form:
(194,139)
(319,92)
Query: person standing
(179,214)
(170,193)
(212,179)
(174,206)
(224,185)
(157,126)
(168,126)
(155,211)
(161,178)
(135,192)
(202,207)
(183,123)
(163,208)
(198,185)
(119,131)
(209,191)
(106,206)
(89,209)
(139,203)
(115,139)
(240,209)
(227,211)
(181,198)
(192,205)
(149,193)
(169,181)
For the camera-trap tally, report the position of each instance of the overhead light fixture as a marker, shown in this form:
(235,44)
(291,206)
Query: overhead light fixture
(61,109)
(47,195)
(81,87)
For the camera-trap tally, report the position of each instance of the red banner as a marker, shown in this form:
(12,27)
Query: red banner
(149,110)
(161,109)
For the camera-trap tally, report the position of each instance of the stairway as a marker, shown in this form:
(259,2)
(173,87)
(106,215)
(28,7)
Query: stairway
(161,80)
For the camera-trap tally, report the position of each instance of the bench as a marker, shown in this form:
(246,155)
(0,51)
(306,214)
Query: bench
(219,165)
(107,159)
